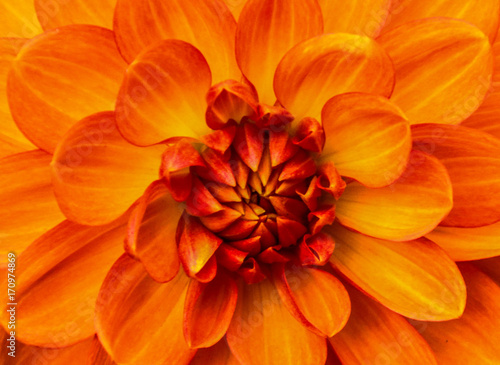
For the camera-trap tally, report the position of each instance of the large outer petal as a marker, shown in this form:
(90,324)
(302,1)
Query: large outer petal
(57,13)
(264,332)
(442,66)
(163,94)
(416,275)
(97,175)
(376,335)
(473,338)
(138,320)
(367,138)
(63,75)
(11,139)
(58,279)
(206,24)
(465,244)
(472,159)
(320,68)
(482,13)
(354,16)
(408,208)
(266,31)
(18,19)
(28,206)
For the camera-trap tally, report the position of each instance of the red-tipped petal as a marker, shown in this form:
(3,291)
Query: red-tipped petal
(299,166)
(200,202)
(330,181)
(310,135)
(315,250)
(289,231)
(249,145)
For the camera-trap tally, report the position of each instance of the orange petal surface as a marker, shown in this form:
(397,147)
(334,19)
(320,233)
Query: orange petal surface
(320,68)
(98,355)
(408,208)
(472,159)
(18,19)
(207,24)
(442,66)
(136,316)
(219,354)
(163,94)
(64,75)
(367,137)
(417,275)
(266,31)
(97,175)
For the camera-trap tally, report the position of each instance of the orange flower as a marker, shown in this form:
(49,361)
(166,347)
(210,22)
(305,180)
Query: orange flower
(292,187)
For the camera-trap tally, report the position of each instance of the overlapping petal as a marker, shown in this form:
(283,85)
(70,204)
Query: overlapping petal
(266,31)
(163,94)
(219,354)
(97,175)
(136,316)
(208,25)
(367,138)
(416,275)
(64,75)
(18,19)
(98,355)
(320,68)
(408,208)
(442,66)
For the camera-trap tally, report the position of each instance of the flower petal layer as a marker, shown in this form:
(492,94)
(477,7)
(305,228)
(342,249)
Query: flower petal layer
(206,24)
(163,94)
(55,14)
(386,337)
(474,337)
(408,208)
(136,316)
(266,31)
(480,13)
(367,138)
(97,175)
(441,68)
(58,279)
(18,19)
(219,354)
(355,16)
(11,139)
(64,75)
(472,159)
(151,232)
(264,332)
(28,207)
(417,275)
(465,244)
(320,68)
(98,355)
(314,297)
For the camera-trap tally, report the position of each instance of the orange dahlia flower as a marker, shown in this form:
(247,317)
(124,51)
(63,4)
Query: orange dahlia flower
(250,182)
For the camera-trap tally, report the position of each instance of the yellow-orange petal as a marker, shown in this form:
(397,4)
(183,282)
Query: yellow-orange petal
(376,335)
(408,208)
(472,159)
(441,68)
(31,355)
(55,14)
(236,6)
(136,316)
(355,16)
(28,206)
(58,279)
(151,232)
(266,31)
(163,94)
(367,138)
(483,14)
(314,297)
(465,244)
(219,354)
(206,24)
(208,310)
(18,19)
(473,338)
(320,68)
(98,355)
(264,332)
(416,276)
(64,75)
(11,139)
(96,174)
